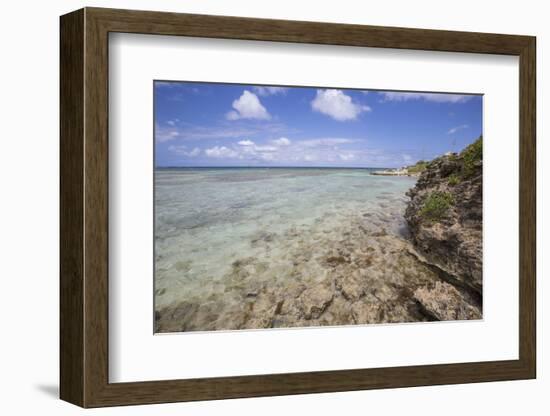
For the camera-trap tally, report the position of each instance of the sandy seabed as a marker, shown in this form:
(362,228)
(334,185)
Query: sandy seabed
(273,248)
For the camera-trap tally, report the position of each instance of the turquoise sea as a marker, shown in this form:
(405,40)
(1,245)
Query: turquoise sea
(225,235)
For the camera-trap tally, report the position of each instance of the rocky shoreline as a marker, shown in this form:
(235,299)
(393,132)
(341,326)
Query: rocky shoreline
(365,269)
(445,219)
(369,276)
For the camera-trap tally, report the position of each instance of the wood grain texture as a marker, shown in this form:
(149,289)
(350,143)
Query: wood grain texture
(84,207)
(225,27)
(96,208)
(71,208)
(527,208)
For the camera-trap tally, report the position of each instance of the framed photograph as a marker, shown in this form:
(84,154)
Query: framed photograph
(255,207)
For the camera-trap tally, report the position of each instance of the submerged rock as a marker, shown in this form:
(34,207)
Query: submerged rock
(352,286)
(336,260)
(315,300)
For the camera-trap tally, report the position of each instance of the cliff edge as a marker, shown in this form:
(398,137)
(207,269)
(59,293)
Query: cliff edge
(445,218)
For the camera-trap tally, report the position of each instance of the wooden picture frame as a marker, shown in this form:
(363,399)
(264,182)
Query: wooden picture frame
(84,207)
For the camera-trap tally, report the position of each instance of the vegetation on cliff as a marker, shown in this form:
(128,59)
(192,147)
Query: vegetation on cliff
(436,205)
(472,156)
(418,167)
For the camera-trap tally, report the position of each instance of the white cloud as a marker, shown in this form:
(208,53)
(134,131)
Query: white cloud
(264,91)
(457,128)
(307,152)
(325,142)
(248,105)
(221,152)
(336,104)
(265,148)
(247,149)
(346,156)
(177,149)
(432,97)
(176,129)
(268,157)
(195,152)
(186,131)
(232,115)
(182,151)
(165,134)
(283,141)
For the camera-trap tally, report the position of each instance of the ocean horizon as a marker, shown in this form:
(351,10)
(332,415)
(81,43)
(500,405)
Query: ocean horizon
(275,167)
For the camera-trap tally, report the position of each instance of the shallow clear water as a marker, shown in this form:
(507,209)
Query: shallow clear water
(210,221)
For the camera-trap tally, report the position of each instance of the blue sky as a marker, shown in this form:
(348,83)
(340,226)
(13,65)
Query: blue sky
(207,124)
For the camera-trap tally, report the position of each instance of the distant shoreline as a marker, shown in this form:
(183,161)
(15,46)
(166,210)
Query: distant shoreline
(393,172)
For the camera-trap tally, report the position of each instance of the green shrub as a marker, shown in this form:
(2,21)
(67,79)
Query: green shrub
(419,167)
(471,155)
(436,205)
(454,179)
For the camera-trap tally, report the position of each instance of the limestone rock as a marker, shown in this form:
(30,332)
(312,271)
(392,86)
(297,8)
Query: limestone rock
(452,236)
(314,300)
(444,302)
(352,286)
